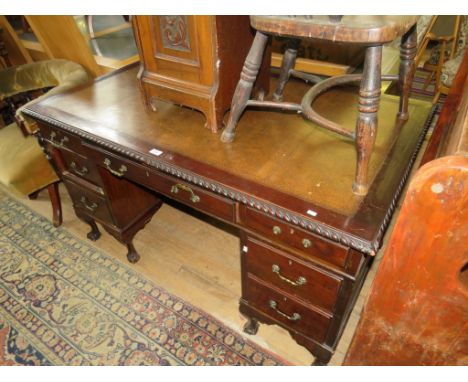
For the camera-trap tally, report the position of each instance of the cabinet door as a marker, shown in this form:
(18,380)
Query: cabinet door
(178,47)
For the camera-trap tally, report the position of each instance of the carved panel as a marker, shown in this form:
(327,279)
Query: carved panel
(175,32)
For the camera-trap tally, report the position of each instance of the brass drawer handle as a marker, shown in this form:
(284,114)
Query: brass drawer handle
(306,243)
(120,172)
(294,317)
(300,280)
(276,230)
(60,144)
(92,207)
(175,189)
(84,170)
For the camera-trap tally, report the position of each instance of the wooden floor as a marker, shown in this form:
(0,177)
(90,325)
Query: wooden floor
(199,262)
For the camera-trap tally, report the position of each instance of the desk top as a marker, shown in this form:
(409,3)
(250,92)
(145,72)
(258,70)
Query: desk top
(279,161)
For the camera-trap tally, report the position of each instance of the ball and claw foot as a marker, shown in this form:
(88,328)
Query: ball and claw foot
(132,255)
(94,234)
(251,326)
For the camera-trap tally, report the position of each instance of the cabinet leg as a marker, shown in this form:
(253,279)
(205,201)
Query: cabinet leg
(132,255)
(366,126)
(251,326)
(244,86)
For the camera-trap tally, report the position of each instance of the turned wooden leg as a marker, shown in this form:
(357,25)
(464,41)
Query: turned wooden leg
(289,58)
(132,255)
(245,84)
(251,326)
(408,49)
(54,196)
(366,126)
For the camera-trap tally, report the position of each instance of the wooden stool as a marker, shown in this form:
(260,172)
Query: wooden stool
(369,31)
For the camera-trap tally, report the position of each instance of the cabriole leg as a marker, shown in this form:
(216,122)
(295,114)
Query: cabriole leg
(132,255)
(94,234)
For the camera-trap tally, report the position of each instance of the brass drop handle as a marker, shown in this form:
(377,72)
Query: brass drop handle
(92,207)
(300,280)
(294,317)
(306,243)
(120,172)
(60,144)
(84,170)
(175,189)
(276,230)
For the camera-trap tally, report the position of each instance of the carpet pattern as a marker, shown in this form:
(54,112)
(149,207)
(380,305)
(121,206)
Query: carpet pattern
(63,302)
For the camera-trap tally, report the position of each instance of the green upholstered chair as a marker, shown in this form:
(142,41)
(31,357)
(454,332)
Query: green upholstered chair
(24,168)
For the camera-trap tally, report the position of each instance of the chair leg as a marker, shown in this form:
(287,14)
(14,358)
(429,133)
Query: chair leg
(54,196)
(366,126)
(408,49)
(245,84)
(289,58)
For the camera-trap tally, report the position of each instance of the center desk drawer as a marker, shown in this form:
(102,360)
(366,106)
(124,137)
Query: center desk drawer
(174,188)
(291,274)
(294,236)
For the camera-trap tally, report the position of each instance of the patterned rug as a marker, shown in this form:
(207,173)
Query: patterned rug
(63,302)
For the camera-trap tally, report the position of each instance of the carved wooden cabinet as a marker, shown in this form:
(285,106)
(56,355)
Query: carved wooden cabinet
(194,61)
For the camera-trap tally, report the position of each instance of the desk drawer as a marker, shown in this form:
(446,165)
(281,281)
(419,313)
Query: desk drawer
(81,167)
(291,313)
(294,236)
(60,139)
(174,188)
(89,202)
(291,274)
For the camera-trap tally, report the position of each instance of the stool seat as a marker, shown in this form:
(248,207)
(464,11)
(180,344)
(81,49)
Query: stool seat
(349,29)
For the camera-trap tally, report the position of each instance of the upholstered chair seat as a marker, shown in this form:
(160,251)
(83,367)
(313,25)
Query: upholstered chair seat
(24,168)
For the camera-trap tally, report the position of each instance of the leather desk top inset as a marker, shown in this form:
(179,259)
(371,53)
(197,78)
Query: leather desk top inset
(279,162)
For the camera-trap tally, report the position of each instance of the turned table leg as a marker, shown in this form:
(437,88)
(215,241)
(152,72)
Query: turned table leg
(289,58)
(366,126)
(408,49)
(245,84)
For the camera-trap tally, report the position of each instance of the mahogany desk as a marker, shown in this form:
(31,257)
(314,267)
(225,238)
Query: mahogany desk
(306,241)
